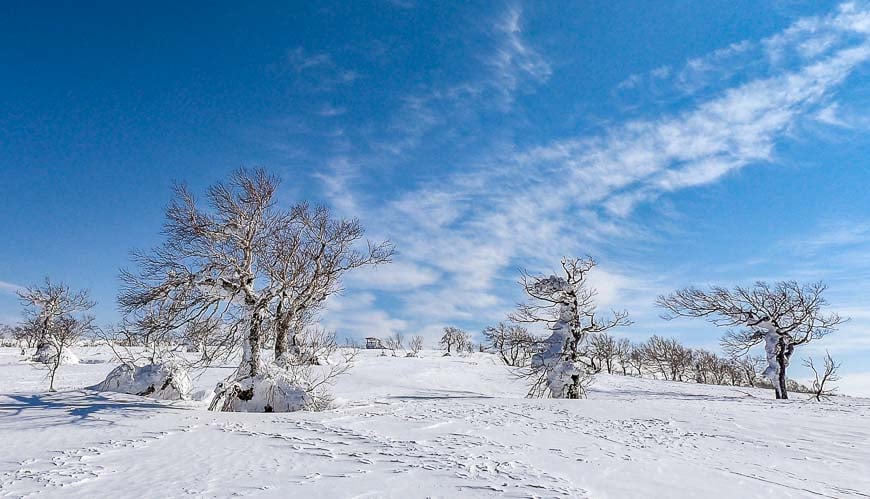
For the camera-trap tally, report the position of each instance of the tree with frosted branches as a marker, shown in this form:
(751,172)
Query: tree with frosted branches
(234,271)
(782,316)
(566,305)
(56,317)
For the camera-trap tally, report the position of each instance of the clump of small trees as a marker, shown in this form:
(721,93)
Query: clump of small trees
(55,319)
(669,360)
(415,346)
(455,340)
(513,343)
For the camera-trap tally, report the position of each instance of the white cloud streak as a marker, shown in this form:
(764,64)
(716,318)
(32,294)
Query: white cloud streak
(528,208)
(10,288)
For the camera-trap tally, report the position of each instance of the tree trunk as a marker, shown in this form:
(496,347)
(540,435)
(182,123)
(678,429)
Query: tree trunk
(280,332)
(53,368)
(782,360)
(254,345)
(574,387)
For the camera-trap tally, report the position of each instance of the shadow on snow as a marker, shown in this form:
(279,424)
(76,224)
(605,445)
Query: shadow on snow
(74,407)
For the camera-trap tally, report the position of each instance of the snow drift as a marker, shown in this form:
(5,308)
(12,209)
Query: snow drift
(165,381)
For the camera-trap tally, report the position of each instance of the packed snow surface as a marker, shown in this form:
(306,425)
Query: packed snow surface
(427,427)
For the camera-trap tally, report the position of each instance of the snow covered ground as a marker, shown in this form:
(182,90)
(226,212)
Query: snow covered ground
(428,427)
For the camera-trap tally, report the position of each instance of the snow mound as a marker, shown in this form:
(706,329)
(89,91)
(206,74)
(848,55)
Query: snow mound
(165,381)
(46,354)
(274,391)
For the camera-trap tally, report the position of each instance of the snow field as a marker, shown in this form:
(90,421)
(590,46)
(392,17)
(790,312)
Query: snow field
(427,427)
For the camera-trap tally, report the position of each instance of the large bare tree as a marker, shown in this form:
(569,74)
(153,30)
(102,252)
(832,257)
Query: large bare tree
(238,269)
(566,305)
(56,317)
(207,277)
(782,316)
(310,254)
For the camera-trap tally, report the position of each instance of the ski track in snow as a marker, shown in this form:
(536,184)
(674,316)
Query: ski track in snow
(667,441)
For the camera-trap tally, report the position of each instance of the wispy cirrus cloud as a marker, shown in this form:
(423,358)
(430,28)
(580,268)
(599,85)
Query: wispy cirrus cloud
(514,60)
(522,207)
(509,65)
(317,72)
(10,288)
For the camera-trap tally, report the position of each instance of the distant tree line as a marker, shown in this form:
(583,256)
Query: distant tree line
(780,317)
(657,357)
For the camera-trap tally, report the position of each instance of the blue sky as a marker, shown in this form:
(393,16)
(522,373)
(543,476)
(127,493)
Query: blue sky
(679,143)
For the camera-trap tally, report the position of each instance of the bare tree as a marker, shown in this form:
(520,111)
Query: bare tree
(821,380)
(636,359)
(56,317)
(750,368)
(24,337)
(455,340)
(395,343)
(711,369)
(415,346)
(230,273)
(704,365)
(782,316)
(604,349)
(309,255)
(315,346)
(566,306)
(668,357)
(623,354)
(207,277)
(512,342)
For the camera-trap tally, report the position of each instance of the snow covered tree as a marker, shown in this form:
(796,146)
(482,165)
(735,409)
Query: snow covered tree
(512,342)
(309,254)
(565,304)
(455,340)
(783,316)
(207,277)
(230,272)
(56,318)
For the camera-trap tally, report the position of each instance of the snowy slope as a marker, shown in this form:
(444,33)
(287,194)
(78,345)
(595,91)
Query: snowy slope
(429,427)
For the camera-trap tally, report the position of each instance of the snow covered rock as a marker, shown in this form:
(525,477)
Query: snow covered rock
(45,355)
(165,381)
(274,391)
